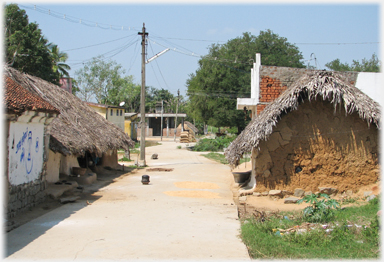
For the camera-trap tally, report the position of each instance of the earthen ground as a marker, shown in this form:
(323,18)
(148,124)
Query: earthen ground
(246,208)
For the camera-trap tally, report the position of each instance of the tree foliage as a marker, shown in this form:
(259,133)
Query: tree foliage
(101,80)
(366,65)
(26,48)
(224,75)
(58,60)
(106,82)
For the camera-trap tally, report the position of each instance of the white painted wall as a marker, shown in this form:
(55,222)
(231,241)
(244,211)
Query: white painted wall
(372,85)
(53,167)
(26,148)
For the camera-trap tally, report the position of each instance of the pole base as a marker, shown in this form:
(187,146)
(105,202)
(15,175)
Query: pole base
(140,163)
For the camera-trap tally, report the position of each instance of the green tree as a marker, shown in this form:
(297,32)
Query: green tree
(224,74)
(371,65)
(26,48)
(101,80)
(58,60)
(156,96)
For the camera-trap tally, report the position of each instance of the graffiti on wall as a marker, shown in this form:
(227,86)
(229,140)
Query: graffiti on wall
(25,152)
(25,148)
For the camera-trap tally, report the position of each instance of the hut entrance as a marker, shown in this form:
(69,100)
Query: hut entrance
(88,160)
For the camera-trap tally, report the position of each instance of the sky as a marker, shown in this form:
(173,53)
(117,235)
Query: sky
(322,32)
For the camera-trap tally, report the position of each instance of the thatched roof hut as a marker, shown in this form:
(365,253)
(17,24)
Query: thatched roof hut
(326,85)
(78,128)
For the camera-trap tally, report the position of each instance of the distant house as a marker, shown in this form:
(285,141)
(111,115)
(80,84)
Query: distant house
(321,131)
(130,125)
(160,123)
(79,137)
(115,114)
(27,119)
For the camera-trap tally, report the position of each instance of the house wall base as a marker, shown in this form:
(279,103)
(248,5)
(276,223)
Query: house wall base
(22,197)
(318,146)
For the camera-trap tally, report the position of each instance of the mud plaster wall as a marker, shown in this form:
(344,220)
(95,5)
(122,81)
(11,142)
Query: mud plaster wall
(109,159)
(332,149)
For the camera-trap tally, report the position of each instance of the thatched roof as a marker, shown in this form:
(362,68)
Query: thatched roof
(78,128)
(324,84)
(17,100)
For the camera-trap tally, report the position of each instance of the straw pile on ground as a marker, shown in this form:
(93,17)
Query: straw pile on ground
(325,85)
(78,128)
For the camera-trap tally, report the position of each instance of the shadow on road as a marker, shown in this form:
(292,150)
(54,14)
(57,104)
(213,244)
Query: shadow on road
(17,238)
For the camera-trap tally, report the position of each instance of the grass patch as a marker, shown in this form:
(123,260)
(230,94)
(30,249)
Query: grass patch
(353,233)
(221,158)
(213,145)
(216,157)
(125,159)
(148,143)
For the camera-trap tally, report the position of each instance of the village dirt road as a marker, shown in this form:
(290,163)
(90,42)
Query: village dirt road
(184,214)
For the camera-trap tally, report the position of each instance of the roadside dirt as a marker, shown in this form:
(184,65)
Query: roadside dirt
(87,193)
(252,205)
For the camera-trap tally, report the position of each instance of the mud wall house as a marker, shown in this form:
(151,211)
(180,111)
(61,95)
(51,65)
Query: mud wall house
(79,137)
(27,118)
(114,114)
(315,129)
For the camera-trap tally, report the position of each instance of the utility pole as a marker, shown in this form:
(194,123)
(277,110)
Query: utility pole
(142,98)
(162,109)
(177,108)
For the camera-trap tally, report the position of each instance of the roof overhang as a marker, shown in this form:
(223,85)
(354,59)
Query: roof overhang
(164,115)
(248,103)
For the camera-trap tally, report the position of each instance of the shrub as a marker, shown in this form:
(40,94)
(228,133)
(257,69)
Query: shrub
(214,145)
(320,210)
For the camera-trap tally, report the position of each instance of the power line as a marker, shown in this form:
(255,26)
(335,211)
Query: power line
(110,53)
(159,71)
(78,48)
(79,20)
(188,39)
(362,43)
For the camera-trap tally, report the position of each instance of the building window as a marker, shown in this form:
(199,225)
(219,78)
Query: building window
(111,112)
(121,112)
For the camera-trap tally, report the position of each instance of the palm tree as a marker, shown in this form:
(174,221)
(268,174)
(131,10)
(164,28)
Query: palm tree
(58,59)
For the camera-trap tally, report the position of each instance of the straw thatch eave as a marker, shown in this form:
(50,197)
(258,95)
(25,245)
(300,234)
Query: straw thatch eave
(328,86)
(78,128)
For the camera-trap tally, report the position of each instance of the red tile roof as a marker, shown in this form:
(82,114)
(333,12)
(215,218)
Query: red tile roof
(17,99)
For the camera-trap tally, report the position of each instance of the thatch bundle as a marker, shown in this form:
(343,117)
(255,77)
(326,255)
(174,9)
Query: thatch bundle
(78,128)
(323,84)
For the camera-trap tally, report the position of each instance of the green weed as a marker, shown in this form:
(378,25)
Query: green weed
(352,234)
(320,210)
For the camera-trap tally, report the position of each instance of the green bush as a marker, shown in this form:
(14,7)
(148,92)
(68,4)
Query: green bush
(214,145)
(320,210)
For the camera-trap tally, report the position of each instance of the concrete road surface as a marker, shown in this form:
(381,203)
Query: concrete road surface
(184,214)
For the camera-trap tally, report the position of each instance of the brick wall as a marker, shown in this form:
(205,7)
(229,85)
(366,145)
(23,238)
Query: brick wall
(274,80)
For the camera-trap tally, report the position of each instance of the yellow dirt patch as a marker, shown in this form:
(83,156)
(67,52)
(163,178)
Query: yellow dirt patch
(196,185)
(193,194)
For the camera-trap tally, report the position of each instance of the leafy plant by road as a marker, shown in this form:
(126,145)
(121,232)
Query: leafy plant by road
(320,210)
(353,234)
(213,145)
